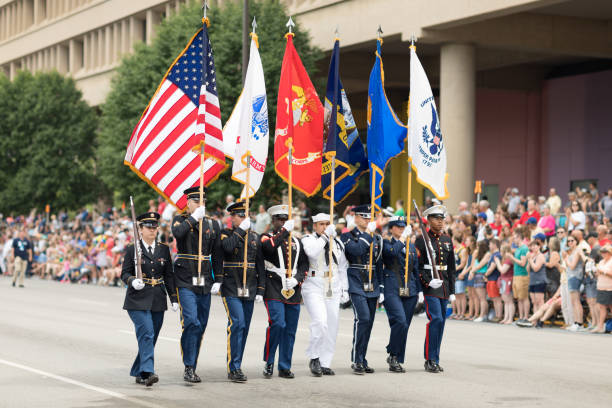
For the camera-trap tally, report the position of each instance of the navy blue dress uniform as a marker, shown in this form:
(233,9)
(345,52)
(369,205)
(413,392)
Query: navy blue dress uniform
(357,250)
(147,305)
(436,299)
(283,314)
(399,306)
(238,303)
(194,299)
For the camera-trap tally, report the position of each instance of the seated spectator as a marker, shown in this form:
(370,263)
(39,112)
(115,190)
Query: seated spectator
(553,201)
(545,311)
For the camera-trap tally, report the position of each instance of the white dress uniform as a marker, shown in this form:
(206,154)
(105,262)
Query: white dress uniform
(323,311)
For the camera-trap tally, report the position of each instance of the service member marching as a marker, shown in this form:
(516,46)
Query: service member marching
(437,289)
(323,310)
(283,313)
(145,299)
(193,291)
(401,295)
(364,292)
(238,298)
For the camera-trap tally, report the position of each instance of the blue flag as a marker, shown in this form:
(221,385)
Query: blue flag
(340,138)
(386,134)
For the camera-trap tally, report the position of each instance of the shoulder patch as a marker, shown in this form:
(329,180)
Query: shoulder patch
(177,222)
(223,236)
(264,238)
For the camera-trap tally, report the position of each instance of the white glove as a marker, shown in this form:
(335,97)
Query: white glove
(138,284)
(451,298)
(421,297)
(330,231)
(371,226)
(199,213)
(344,297)
(215,288)
(407,232)
(174,307)
(435,283)
(245,224)
(291,282)
(258,299)
(381,298)
(289,225)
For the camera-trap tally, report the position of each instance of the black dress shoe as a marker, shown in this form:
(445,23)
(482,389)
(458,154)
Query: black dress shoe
(13,284)
(236,376)
(242,374)
(21,286)
(140,380)
(268,370)
(394,365)
(285,374)
(358,368)
(439,367)
(367,368)
(315,367)
(431,367)
(151,379)
(327,371)
(191,376)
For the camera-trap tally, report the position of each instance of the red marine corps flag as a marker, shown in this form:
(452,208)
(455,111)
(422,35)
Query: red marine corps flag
(299,121)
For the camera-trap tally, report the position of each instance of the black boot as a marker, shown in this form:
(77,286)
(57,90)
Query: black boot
(151,379)
(315,367)
(190,375)
(236,376)
(268,370)
(358,368)
(327,371)
(431,367)
(285,374)
(394,365)
(368,369)
(140,380)
(439,367)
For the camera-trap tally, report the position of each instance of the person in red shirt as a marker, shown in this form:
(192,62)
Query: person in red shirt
(498,224)
(602,235)
(531,212)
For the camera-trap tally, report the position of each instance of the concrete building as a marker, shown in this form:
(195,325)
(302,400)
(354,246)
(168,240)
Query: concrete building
(524,85)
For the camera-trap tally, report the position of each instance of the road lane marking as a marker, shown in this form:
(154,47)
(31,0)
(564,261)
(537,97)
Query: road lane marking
(81,384)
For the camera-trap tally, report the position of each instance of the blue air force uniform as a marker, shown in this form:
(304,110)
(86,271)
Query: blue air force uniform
(357,250)
(238,305)
(436,299)
(283,314)
(400,309)
(146,306)
(195,299)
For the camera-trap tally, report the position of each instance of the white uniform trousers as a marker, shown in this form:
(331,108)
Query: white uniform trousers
(323,313)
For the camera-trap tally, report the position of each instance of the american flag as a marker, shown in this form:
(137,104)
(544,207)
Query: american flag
(183,113)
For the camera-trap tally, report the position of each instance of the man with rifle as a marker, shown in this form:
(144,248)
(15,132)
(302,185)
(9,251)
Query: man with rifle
(437,273)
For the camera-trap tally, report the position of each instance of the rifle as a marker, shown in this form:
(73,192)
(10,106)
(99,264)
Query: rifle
(428,246)
(137,249)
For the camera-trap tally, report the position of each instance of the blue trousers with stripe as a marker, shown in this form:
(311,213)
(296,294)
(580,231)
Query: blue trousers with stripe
(435,308)
(147,325)
(282,325)
(399,311)
(194,318)
(239,313)
(364,309)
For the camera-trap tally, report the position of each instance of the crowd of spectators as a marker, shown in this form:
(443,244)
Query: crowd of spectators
(530,261)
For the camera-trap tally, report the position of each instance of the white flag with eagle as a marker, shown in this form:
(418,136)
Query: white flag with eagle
(425,144)
(246,131)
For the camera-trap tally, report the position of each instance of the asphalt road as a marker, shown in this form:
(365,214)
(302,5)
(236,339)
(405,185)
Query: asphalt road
(64,345)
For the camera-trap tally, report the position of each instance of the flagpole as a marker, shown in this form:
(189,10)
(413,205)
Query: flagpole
(373,189)
(290,155)
(246,237)
(329,293)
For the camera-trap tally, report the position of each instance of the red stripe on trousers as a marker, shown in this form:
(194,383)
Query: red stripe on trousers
(268,332)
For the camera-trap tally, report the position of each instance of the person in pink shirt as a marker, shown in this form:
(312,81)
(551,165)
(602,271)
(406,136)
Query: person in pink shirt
(547,223)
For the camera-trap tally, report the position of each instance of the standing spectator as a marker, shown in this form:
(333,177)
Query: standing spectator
(485,207)
(479,267)
(399,205)
(553,201)
(481,226)
(547,223)
(505,268)
(541,204)
(520,279)
(553,266)
(492,276)
(463,208)
(305,214)
(514,201)
(593,191)
(532,212)
(21,255)
(574,262)
(473,305)
(262,220)
(576,220)
(571,197)
(602,235)
(561,235)
(537,274)
(605,205)
(498,224)
(604,286)
(461,257)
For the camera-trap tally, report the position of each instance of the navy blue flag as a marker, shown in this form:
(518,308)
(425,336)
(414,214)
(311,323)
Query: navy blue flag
(386,134)
(340,138)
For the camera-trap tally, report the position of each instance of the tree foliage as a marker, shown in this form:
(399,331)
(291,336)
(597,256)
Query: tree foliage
(139,75)
(47,135)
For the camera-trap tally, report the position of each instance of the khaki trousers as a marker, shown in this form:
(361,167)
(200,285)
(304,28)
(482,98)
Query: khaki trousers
(20,269)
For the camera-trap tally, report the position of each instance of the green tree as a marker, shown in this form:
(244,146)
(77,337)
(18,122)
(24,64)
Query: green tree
(139,75)
(47,135)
